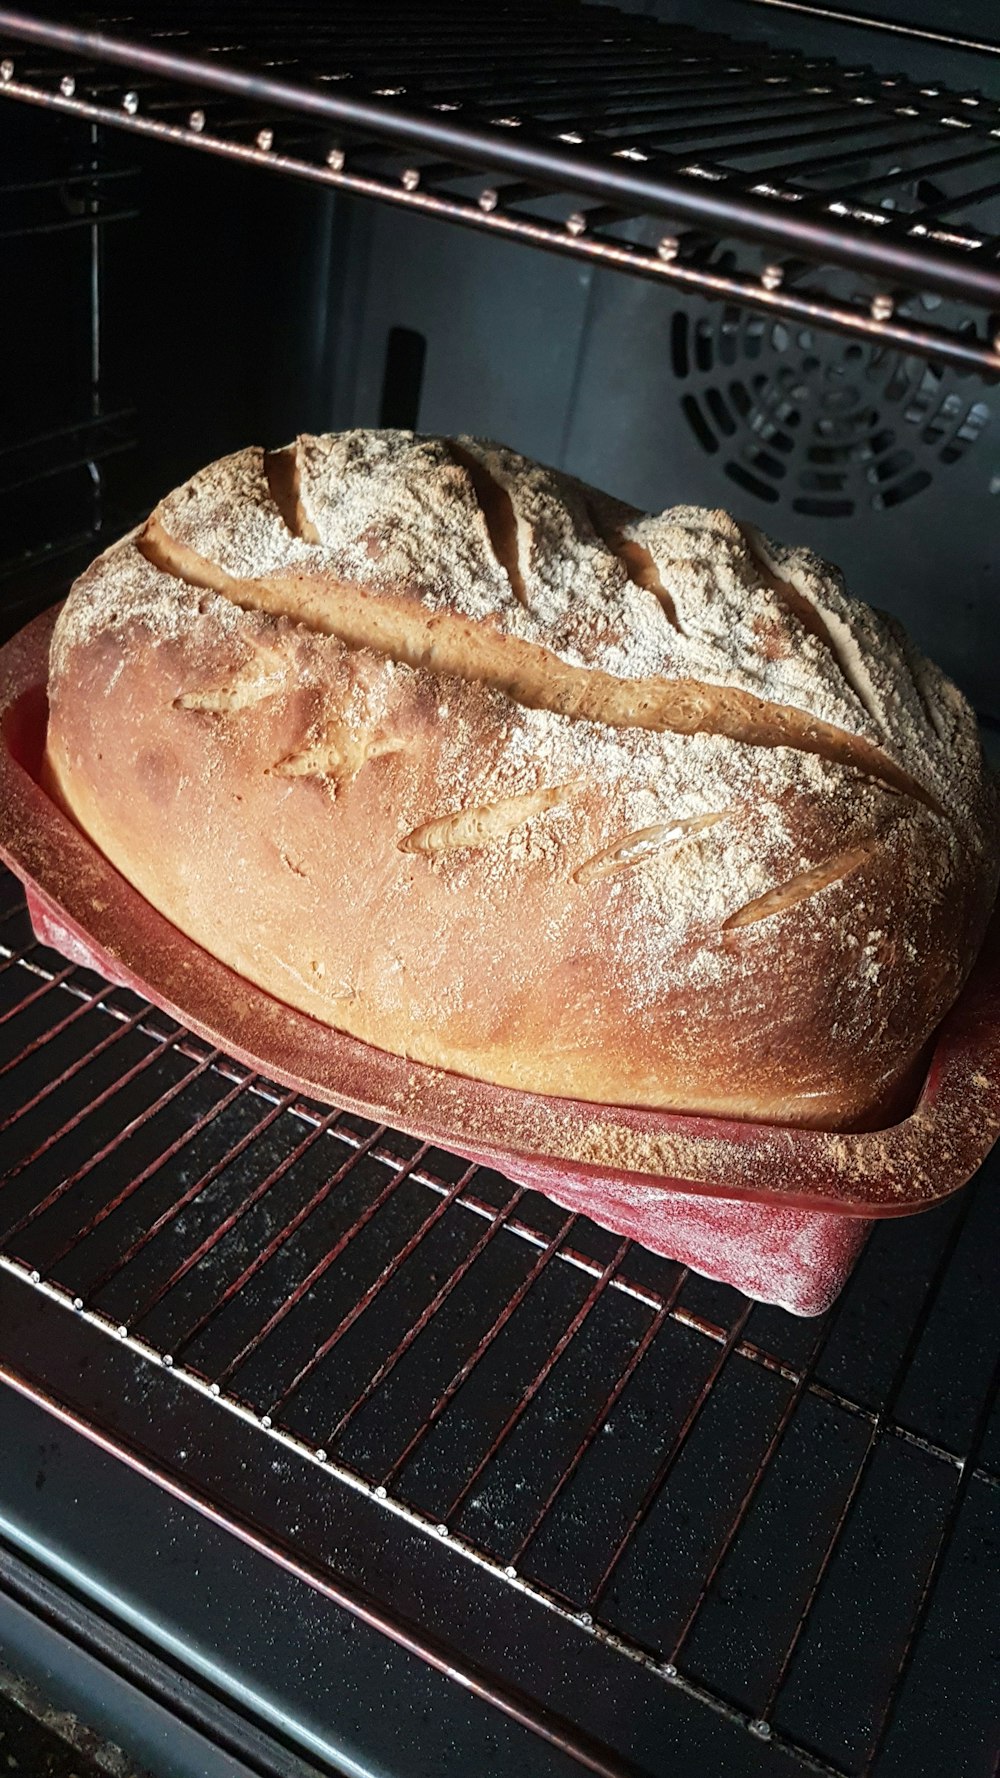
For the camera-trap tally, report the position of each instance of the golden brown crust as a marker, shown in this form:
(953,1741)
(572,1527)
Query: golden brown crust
(492,771)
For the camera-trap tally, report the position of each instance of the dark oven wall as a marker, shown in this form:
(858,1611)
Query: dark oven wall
(157,309)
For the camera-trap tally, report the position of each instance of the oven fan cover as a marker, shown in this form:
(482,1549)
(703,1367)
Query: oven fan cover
(827,427)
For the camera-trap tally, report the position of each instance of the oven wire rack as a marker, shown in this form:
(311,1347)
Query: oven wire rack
(541,1400)
(722,167)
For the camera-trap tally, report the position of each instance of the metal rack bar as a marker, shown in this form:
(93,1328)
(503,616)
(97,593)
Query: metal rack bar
(543,1372)
(322,1265)
(981,194)
(56,981)
(132,1184)
(883,182)
(877,1423)
(662,264)
(469,1364)
(75,1013)
(802,1383)
(613,1397)
(53,550)
(373,1142)
(67,225)
(947,1534)
(202,1249)
(499,146)
(895,27)
(668,1460)
(279,1239)
(190,1193)
(417,1327)
(72,430)
(369,1296)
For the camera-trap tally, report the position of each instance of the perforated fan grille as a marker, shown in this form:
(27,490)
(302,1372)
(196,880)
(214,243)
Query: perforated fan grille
(825,426)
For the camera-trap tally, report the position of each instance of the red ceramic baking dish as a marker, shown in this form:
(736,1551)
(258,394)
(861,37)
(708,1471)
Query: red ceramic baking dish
(780,1213)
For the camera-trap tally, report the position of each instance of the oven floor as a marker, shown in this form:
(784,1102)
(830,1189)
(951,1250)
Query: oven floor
(40,1741)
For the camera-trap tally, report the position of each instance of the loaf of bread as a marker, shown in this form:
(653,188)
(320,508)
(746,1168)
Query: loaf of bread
(500,774)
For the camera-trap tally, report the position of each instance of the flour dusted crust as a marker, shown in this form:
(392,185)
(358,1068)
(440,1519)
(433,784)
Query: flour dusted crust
(496,772)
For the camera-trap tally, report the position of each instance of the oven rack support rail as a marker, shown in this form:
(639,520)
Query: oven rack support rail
(826,194)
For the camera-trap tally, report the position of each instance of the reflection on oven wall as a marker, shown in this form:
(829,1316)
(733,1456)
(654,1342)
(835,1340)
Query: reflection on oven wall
(887,464)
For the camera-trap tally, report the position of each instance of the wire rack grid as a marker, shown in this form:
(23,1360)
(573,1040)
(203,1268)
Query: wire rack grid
(721,167)
(707,1487)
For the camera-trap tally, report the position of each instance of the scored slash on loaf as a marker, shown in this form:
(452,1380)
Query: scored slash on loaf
(496,772)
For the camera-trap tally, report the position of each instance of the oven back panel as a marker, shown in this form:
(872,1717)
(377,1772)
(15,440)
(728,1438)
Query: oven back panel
(884,463)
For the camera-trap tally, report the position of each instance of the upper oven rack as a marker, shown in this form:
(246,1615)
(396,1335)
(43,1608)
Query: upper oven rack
(826,194)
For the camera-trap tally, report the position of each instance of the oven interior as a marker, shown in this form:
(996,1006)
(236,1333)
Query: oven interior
(447,1473)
